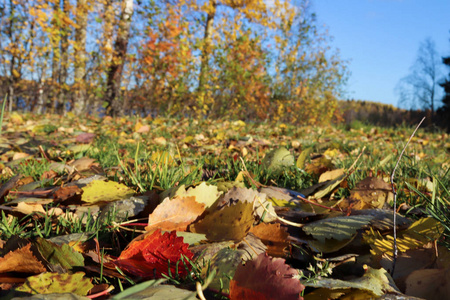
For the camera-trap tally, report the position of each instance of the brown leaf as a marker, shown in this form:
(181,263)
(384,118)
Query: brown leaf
(10,184)
(49,175)
(21,260)
(28,208)
(85,138)
(229,223)
(67,192)
(82,164)
(175,214)
(431,284)
(265,278)
(273,236)
(370,192)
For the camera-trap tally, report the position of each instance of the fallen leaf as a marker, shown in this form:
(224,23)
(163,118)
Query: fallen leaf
(154,289)
(430,284)
(277,160)
(229,223)
(105,191)
(204,193)
(418,234)
(29,208)
(21,260)
(338,228)
(273,236)
(375,281)
(64,255)
(82,164)
(265,278)
(257,199)
(85,138)
(175,214)
(224,262)
(369,193)
(67,192)
(331,175)
(49,283)
(155,255)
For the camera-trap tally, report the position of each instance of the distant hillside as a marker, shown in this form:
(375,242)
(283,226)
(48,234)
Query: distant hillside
(375,113)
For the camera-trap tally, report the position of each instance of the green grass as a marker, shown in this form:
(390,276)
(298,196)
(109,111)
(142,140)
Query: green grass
(138,161)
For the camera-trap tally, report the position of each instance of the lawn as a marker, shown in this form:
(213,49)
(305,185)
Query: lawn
(219,209)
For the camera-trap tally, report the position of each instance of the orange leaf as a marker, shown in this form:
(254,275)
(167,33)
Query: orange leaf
(273,236)
(21,260)
(175,214)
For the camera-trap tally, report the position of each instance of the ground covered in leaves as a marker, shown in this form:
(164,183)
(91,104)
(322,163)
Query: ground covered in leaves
(156,208)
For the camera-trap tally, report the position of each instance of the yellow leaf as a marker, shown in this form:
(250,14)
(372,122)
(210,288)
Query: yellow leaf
(229,223)
(417,235)
(105,191)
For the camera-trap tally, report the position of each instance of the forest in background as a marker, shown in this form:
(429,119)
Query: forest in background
(246,59)
(240,59)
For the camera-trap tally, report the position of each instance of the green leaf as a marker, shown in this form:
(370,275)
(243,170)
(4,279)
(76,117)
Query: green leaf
(376,281)
(338,228)
(277,160)
(153,289)
(64,255)
(301,160)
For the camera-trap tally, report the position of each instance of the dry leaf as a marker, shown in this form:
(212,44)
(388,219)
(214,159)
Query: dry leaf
(21,260)
(229,223)
(175,214)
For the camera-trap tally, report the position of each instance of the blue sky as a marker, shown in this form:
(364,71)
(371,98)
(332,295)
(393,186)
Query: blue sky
(381,39)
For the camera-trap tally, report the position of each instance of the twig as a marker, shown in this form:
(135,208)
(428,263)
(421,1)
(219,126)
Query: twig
(248,244)
(102,293)
(246,173)
(41,150)
(198,287)
(317,204)
(395,197)
(44,193)
(279,218)
(354,163)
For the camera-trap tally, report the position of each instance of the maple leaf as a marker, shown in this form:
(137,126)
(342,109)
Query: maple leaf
(155,255)
(265,278)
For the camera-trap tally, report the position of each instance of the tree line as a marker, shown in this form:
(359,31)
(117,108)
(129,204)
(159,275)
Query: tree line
(250,59)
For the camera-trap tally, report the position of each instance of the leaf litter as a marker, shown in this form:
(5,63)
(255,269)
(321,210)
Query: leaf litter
(159,225)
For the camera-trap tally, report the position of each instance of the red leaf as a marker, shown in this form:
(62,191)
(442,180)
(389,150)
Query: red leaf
(265,278)
(85,138)
(150,257)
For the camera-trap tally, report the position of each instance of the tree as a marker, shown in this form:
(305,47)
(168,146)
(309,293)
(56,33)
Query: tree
(118,60)
(444,111)
(420,86)
(80,56)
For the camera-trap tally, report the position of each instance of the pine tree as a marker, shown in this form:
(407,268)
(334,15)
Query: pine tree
(444,111)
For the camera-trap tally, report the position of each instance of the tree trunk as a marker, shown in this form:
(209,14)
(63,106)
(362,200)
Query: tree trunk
(114,73)
(207,42)
(80,57)
(53,91)
(64,45)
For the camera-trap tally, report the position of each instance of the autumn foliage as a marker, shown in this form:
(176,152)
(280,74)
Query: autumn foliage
(243,59)
(155,255)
